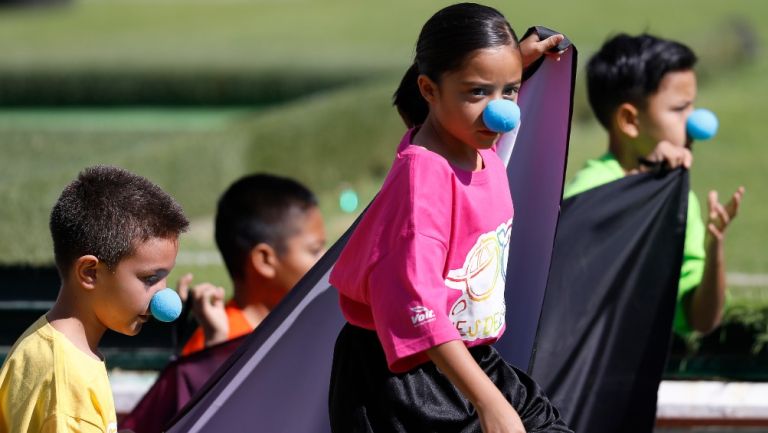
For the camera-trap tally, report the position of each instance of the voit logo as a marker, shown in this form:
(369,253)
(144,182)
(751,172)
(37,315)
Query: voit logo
(421,315)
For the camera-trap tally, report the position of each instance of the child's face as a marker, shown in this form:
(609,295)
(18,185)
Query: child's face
(302,250)
(665,114)
(463,94)
(123,295)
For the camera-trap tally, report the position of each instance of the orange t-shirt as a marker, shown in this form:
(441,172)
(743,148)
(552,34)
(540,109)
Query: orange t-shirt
(238,325)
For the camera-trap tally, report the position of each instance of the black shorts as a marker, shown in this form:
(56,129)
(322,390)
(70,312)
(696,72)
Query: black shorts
(366,397)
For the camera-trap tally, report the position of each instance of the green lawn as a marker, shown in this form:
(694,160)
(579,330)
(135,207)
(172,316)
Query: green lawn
(262,34)
(329,138)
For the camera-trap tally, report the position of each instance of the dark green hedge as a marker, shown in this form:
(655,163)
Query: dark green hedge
(174,88)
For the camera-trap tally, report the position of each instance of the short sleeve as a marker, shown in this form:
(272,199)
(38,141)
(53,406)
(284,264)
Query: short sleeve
(408,300)
(692,270)
(406,286)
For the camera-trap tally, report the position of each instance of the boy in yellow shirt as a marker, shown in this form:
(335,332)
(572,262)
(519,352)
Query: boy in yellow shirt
(115,239)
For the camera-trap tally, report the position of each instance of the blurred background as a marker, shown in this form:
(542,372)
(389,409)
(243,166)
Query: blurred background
(196,93)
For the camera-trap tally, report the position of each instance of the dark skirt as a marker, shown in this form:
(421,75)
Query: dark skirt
(366,397)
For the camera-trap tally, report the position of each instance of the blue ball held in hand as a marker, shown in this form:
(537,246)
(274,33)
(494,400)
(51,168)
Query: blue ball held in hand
(701,124)
(165,305)
(501,115)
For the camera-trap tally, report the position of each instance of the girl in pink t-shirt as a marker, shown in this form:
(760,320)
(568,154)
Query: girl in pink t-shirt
(421,280)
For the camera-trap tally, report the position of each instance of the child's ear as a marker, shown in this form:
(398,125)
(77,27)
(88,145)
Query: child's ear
(85,271)
(264,260)
(627,120)
(427,87)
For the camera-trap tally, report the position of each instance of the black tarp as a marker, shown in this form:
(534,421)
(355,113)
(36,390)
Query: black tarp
(610,300)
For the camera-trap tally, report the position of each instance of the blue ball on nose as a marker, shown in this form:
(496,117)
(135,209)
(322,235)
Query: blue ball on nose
(501,115)
(165,305)
(701,124)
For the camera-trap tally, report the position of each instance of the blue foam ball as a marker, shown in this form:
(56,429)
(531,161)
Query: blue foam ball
(702,124)
(165,305)
(501,115)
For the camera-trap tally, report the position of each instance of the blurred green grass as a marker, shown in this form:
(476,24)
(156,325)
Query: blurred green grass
(329,138)
(331,34)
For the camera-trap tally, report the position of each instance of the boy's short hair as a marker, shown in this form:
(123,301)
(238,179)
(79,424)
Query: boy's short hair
(630,69)
(258,209)
(106,212)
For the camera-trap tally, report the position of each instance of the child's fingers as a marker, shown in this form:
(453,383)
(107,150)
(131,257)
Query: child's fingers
(551,42)
(717,213)
(208,298)
(204,292)
(674,159)
(217,295)
(182,286)
(723,216)
(533,48)
(687,158)
(547,45)
(735,202)
(712,201)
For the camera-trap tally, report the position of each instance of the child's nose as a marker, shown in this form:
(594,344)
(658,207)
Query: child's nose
(501,115)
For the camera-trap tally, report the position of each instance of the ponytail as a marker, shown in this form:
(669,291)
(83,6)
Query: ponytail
(444,43)
(410,104)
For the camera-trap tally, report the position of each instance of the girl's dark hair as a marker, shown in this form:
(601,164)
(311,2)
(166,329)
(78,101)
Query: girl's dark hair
(444,43)
(630,69)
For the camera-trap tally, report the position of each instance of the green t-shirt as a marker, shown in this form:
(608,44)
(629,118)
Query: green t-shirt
(606,169)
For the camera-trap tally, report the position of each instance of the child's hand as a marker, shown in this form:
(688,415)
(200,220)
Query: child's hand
(208,307)
(500,417)
(531,48)
(720,216)
(669,155)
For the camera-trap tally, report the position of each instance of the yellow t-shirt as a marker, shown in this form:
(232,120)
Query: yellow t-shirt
(49,385)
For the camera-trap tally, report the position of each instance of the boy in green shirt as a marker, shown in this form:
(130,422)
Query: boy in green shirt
(642,89)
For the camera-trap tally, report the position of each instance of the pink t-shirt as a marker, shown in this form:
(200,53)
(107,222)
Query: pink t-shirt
(427,263)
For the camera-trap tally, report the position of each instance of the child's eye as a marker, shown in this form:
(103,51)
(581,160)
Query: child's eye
(479,91)
(511,90)
(151,280)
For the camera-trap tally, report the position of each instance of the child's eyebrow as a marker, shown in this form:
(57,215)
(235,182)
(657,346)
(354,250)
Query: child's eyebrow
(488,84)
(161,272)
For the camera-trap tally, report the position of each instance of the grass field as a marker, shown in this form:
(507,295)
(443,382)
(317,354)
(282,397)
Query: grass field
(330,138)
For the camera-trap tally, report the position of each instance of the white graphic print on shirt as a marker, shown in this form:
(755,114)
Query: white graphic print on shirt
(479,312)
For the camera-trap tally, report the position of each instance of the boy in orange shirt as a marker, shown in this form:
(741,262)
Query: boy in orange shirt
(270,232)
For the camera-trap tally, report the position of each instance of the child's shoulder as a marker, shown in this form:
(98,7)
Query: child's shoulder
(418,171)
(595,172)
(32,355)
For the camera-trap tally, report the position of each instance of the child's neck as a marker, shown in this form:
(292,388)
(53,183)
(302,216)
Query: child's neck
(69,317)
(434,138)
(627,159)
(255,309)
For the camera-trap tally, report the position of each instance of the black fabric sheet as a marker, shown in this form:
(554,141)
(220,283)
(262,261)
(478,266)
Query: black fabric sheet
(607,315)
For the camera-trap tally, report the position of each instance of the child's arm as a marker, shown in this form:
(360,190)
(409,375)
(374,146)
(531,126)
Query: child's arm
(208,307)
(704,306)
(495,412)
